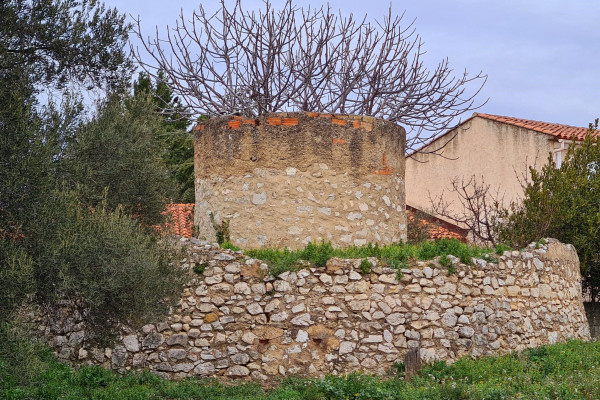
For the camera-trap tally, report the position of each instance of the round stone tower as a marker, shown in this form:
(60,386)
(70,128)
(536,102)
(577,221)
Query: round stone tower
(285,179)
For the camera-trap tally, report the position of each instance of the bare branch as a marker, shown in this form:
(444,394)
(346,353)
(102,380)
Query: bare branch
(479,212)
(252,63)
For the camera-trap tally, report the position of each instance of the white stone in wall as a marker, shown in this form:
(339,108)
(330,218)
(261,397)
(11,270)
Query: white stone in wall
(353,216)
(302,320)
(347,347)
(131,343)
(295,230)
(259,198)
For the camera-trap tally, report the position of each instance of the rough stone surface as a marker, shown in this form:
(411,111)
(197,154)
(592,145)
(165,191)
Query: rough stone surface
(335,320)
(337,178)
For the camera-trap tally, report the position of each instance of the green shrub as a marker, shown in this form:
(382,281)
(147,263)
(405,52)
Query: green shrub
(365,266)
(103,262)
(16,276)
(318,254)
(116,159)
(230,246)
(501,248)
(222,232)
(199,269)
(445,260)
(21,359)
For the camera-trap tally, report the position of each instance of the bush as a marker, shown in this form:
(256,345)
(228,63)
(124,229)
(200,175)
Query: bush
(21,359)
(16,276)
(104,263)
(116,159)
(365,266)
(563,203)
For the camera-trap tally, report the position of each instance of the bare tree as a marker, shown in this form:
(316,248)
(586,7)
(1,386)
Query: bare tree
(249,63)
(481,209)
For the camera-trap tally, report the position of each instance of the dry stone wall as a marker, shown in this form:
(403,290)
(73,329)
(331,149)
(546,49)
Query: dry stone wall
(237,322)
(283,180)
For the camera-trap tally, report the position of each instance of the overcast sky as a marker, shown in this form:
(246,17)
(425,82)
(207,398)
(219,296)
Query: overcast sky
(542,57)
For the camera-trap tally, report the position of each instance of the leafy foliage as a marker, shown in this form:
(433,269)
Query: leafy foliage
(365,266)
(564,203)
(21,359)
(118,152)
(66,186)
(61,41)
(103,262)
(16,277)
(179,144)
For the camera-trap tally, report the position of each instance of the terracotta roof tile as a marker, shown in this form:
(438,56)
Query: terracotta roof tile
(180,219)
(436,228)
(559,131)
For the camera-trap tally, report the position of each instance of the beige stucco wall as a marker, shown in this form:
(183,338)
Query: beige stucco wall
(494,152)
(283,180)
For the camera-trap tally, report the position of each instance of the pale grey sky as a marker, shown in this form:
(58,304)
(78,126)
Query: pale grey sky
(541,56)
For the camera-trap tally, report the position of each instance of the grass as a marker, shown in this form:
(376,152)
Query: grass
(394,255)
(563,371)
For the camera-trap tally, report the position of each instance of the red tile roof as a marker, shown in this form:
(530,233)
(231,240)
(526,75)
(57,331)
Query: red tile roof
(559,131)
(436,227)
(180,219)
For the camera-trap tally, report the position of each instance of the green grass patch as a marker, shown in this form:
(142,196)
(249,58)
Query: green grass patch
(229,245)
(394,255)
(562,371)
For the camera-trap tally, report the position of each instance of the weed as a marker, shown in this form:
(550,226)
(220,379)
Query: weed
(562,371)
(501,248)
(199,269)
(221,230)
(399,274)
(396,255)
(230,246)
(489,258)
(397,369)
(445,260)
(365,266)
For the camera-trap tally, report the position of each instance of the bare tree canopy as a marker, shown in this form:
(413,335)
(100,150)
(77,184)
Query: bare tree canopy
(480,209)
(295,59)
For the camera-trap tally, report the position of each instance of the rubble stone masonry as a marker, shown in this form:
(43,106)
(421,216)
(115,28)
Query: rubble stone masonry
(236,322)
(285,179)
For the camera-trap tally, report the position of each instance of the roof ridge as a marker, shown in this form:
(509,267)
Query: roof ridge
(485,115)
(561,131)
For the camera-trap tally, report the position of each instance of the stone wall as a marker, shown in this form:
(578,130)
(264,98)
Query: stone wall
(592,311)
(237,322)
(283,180)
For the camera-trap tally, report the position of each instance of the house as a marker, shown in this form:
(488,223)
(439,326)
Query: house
(489,149)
